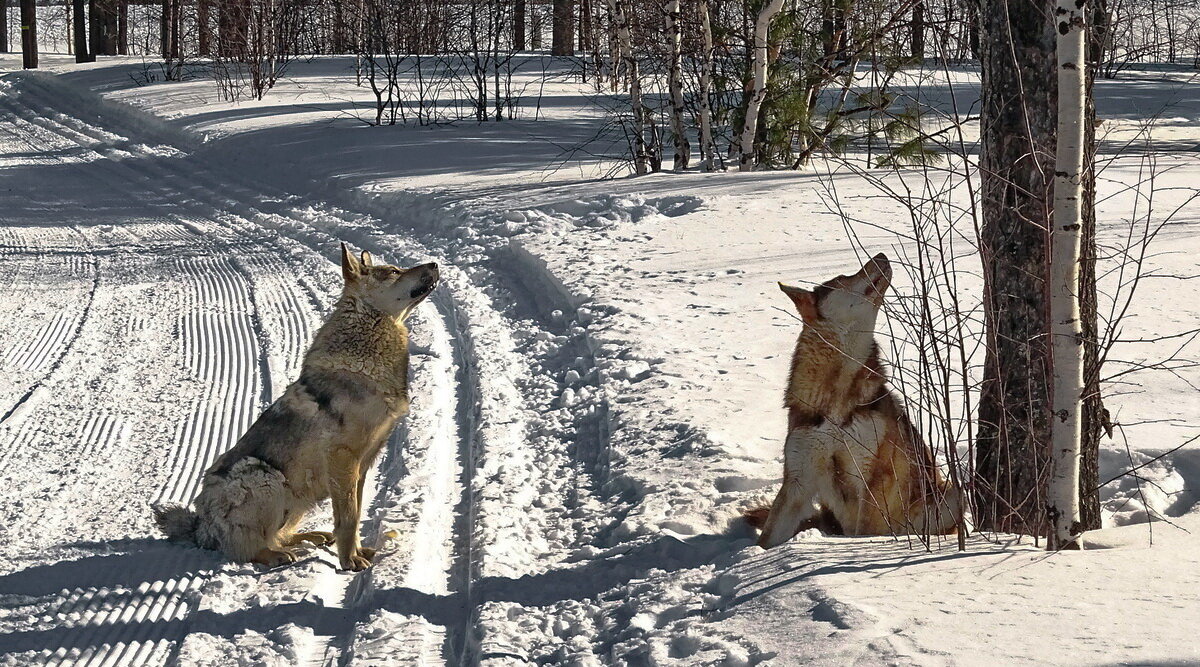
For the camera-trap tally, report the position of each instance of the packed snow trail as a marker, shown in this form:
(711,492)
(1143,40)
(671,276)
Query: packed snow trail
(148,318)
(156,303)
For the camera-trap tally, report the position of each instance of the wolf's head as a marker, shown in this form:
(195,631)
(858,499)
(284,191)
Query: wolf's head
(845,306)
(391,289)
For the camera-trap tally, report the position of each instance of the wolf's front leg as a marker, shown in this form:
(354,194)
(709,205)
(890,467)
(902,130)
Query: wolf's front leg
(794,504)
(344,475)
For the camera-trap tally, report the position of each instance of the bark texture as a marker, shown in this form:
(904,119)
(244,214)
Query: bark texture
(563,28)
(1066,337)
(29,54)
(762,33)
(1017,49)
(683,150)
(1017,168)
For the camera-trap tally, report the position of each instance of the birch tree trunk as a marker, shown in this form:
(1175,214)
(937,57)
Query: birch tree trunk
(762,30)
(706,68)
(614,47)
(625,36)
(683,150)
(1066,337)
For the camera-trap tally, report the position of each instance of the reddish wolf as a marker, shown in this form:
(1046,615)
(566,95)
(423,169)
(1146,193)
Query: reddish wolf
(852,462)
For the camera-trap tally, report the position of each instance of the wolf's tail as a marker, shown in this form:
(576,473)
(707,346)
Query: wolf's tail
(756,516)
(177,522)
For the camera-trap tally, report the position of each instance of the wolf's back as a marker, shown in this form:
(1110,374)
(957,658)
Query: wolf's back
(177,522)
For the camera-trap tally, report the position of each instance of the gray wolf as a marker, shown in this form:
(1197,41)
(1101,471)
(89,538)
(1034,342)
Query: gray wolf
(321,437)
(853,463)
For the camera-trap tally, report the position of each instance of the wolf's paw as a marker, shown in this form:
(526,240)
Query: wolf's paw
(274,557)
(355,563)
(317,538)
(367,552)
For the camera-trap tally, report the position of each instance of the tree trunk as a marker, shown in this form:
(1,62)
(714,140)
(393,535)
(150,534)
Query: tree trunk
(29,53)
(614,47)
(1016,168)
(3,26)
(917,41)
(102,18)
(519,25)
(1094,416)
(233,28)
(683,150)
(585,26)
(975,28)
(79,22)
(563,42)
(707,149)
(625,35)
(762,28)
(1066,337)
(122,27)
(203,29)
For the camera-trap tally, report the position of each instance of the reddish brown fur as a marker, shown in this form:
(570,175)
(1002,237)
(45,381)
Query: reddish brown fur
(880,476)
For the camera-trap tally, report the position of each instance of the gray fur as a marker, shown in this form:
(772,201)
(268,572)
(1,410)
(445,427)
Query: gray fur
(178,523)
(322,435)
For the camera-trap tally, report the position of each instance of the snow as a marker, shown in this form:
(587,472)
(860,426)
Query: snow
(596,393)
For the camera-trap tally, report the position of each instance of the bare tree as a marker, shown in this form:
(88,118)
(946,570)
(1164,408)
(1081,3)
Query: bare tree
(707,148)
(762,27)
(563,26)
(1066,337)
(620,11)
(1017,50)
(683,150)
(1012,448)
(29,52)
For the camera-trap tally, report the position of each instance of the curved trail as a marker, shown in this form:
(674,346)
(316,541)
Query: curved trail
(219,312)
(203,294)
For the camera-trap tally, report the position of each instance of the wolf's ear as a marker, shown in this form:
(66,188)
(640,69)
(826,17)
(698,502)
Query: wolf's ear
(803,299)
(366,259)
(350,267)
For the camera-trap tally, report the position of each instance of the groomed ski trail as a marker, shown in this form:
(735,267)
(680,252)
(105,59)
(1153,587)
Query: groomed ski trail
(230,327)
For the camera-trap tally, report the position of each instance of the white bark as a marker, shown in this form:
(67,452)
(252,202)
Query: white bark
(1066,337)
(625,36)
(683,151)
(706,67)
(615,42)
(762,29)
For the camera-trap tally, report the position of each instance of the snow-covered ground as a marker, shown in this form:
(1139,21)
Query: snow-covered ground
(596,394)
